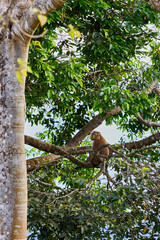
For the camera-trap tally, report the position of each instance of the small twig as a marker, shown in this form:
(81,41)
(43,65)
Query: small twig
(49,185)
(93,179)
(111,74)
(33,36)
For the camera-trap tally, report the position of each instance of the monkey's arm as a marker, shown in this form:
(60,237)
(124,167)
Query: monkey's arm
(91,156)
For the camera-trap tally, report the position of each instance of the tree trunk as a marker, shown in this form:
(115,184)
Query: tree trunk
(13,179)
(155,4)
(18,22)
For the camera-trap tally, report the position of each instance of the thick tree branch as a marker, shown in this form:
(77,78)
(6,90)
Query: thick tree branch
(54,149)
(90,126)
(155,4)
(35,163)
(45,6)
(69,152)
(97,120)
(29,21)
(51,148)
(144,142)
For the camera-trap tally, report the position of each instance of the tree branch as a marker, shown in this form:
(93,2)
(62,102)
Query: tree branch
(45,6)
(155,4)
(144,142)
(69,152)
(151,87)
(149,124)
(54,149)
(79,190)
(90,126)
(51,148)
(29,20)
(97,120)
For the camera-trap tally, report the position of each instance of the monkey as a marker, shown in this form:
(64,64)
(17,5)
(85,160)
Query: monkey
(98,141)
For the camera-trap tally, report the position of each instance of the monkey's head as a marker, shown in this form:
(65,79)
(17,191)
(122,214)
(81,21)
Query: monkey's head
(95,136)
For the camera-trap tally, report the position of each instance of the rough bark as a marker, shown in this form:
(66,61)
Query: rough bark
(142,143)
(155,4)
(13,181)
(90,126)
(17,23)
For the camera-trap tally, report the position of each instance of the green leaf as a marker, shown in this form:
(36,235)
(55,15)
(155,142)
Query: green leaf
(42,18)
(19,76)
(145,169)
(80,82)
(29,69)
(50,93)
(20,62)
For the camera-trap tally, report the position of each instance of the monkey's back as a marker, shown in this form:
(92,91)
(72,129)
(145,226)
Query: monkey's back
(99,142)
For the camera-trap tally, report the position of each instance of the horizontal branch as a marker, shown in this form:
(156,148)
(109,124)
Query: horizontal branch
(51,148)
(144,142)
(110,74)
(69,152)
(37,162)
(54,149)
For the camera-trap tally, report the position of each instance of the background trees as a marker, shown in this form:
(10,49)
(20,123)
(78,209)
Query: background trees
(91,67)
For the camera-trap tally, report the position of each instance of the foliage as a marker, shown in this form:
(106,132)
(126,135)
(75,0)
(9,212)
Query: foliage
(73,71)
(90,60)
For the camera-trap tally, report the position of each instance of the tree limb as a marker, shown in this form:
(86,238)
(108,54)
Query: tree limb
(54,149)
(155,4)
(149,124)
(151,87)
(90,126)
(97,120)
(69,152)
(29,20)
(45,6)
(144,142)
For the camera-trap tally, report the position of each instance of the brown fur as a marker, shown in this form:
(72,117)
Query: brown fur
(98,141)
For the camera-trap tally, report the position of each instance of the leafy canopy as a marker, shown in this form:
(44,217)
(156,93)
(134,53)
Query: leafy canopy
(90,60)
